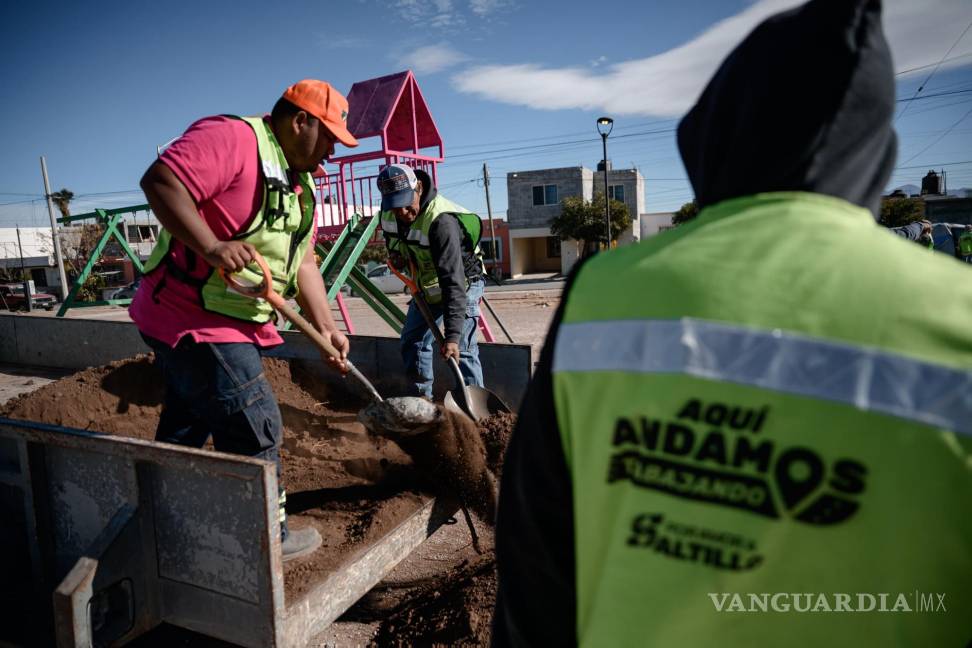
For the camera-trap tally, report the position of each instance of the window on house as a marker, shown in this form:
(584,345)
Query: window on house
(616,192)
(553,247)
(492,250)
(545,195)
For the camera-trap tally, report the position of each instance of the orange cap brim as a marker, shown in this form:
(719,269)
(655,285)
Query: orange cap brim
(340,132)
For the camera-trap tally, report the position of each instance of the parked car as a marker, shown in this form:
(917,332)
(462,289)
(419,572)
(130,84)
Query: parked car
(128,292)
(12,298)
(386,281)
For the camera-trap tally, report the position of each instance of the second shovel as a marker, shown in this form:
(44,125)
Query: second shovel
(476,402)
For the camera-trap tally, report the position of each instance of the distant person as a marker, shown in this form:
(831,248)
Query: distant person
(739,432)
(228,187)
(439,240)
(964,244)
(919,231)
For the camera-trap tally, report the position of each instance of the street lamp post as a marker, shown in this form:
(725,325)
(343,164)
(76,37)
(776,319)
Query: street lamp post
(604,126)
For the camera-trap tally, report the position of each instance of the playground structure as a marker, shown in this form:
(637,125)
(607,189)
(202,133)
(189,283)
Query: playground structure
(109,219)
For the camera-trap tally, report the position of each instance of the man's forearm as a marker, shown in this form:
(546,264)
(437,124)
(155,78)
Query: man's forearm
(312,297)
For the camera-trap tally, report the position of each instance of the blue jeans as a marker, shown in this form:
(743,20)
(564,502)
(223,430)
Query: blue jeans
(219,390)
(417,343)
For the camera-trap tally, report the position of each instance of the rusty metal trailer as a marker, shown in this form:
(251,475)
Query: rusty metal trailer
(134,533)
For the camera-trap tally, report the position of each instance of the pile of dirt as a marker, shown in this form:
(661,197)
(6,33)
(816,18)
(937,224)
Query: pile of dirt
(457,611)
(352,487)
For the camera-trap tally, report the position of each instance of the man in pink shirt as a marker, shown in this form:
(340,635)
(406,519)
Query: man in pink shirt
(230,187)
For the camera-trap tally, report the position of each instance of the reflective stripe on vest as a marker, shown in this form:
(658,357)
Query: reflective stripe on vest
(866,378)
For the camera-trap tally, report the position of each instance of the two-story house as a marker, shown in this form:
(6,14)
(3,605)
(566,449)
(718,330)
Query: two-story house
(533,200)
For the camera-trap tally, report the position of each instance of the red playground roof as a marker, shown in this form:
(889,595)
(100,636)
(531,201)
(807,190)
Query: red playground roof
(393,108)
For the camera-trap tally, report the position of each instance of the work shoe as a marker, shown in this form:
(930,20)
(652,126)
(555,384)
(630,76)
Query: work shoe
(300,542)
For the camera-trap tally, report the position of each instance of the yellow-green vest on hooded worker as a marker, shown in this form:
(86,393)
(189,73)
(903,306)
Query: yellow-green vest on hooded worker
(770,440)
(279,231)
(416,241)
(965,243)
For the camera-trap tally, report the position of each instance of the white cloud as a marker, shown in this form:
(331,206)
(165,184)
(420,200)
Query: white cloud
(432,58)
(485,7)
(445,13)
(437,13)
(920,32)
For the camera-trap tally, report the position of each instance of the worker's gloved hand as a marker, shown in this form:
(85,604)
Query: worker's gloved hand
(232,256)
(450,350)
(397,260)
(341,343)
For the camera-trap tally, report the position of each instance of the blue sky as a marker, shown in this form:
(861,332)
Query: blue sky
(96,86)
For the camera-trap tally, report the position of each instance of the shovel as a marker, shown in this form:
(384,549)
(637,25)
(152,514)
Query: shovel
(264,290)
(476,402)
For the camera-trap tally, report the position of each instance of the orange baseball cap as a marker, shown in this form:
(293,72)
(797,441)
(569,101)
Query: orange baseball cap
(319,98)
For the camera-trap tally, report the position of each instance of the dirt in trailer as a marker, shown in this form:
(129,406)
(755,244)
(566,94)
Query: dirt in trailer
(352,487)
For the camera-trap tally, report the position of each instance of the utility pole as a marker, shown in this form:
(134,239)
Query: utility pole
(23,272)
(57,242)
(492,228)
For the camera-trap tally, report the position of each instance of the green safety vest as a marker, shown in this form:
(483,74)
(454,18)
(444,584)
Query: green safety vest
(748,408)
(279,231)
(414,242)
(965,243)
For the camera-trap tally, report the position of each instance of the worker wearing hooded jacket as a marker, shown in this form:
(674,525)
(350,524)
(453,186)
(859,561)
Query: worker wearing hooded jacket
(228,188)
(438,240)
(743,409)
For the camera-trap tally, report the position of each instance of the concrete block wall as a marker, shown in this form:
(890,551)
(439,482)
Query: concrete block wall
(79,343)
(522,213)
(634,197)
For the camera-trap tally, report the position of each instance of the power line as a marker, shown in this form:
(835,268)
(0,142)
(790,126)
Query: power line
(932,96)
(574,134)
(925,67)
(932,73)
(551,145)
(942,136)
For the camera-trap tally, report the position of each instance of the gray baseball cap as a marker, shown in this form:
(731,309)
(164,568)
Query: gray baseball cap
(397,184)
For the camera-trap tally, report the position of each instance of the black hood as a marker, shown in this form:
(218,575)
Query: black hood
(428,190)
(804,103)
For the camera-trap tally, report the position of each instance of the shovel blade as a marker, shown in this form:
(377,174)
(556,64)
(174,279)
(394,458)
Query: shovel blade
(482,403)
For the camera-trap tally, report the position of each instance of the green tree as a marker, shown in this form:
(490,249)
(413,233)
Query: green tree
(898,211)
(63,199)
(77,245)
(583,220)
(685,213)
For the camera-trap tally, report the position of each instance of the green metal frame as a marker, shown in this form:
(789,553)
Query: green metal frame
(110,218)
(338,268)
